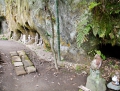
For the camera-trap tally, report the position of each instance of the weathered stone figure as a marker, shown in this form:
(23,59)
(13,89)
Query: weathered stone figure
(114,84)
(29,38)
(94,81)
(24,39)
(96,63)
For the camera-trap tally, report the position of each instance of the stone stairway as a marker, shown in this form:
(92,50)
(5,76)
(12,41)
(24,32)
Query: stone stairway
(22,63)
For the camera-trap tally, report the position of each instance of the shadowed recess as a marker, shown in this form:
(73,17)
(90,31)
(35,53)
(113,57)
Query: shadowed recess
(110,51)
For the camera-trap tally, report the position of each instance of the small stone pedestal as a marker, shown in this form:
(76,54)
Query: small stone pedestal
(95,82)
(113,86)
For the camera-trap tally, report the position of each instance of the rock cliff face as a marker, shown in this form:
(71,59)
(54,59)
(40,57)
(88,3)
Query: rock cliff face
(35,19)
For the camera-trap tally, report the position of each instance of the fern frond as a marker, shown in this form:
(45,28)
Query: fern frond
(93,4)
(81,37)
(83,28)
(95,29)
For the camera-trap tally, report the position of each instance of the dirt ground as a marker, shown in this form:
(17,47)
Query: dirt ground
(45,79)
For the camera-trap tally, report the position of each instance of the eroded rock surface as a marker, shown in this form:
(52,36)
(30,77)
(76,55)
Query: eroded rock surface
(33,21)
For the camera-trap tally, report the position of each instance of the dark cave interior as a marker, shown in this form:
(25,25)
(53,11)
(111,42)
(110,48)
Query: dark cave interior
(110,51)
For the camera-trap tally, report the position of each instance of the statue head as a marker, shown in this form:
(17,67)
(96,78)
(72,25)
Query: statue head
(96,63)
(97,56)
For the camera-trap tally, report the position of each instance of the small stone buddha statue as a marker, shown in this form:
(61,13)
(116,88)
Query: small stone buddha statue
(115,79)
(114,84)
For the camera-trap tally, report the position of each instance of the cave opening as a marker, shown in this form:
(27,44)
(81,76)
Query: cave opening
(110,51)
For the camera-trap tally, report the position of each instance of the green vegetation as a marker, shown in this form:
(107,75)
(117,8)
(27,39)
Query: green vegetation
(93,5)
(99,53)
(103,23)
(77,68)
(83,29)
(46,50)
(81,5)
(80,90)
(110,62)
(3,38)
(116,67)
(47,34)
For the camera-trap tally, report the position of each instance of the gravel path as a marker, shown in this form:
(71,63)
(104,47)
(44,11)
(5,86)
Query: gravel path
(45,79)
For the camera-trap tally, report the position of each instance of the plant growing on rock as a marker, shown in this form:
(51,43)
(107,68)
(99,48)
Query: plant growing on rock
(103,23)
(99,53)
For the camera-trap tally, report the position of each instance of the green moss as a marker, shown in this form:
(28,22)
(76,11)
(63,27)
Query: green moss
(4,38)
(53,19)
(77,68)
(80,90)
(48,47)
(26,57)
(13,61)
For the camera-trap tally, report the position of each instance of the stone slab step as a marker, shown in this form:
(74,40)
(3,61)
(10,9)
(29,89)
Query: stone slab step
(21,53)
(16,59)
(20,70)
(26,61)
(14,53)
(22,63)
(30,69)
(16,64)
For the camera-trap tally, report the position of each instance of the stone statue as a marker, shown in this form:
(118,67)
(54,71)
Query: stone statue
(94,81)
(24,38)
(114,84)
(96,63)
(115,79)
(29,38)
